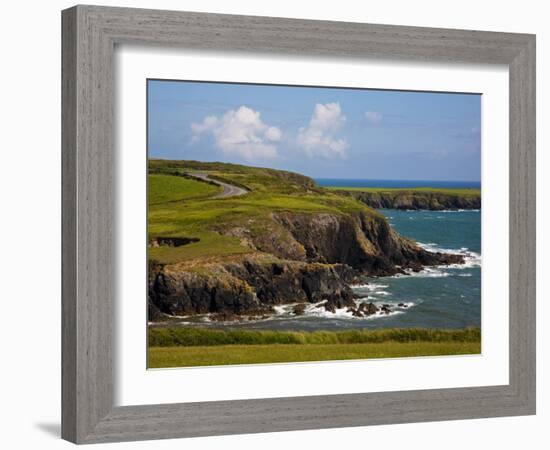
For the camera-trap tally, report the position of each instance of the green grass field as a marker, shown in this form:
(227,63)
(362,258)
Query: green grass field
(184,207)
(166,188)
(163,357)
(195,336)
(184,347)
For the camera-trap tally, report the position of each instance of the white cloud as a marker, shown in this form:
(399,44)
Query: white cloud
(373,116)
(240,133)
(273,134)
(318,138)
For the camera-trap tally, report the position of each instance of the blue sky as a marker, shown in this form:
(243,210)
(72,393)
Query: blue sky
(320,132)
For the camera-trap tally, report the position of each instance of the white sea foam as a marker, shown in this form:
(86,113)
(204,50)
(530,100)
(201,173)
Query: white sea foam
(375,287)
(426,272)
(280,309)
(345,313)
(407,305)
(341,313)
(384,293)
(371,287)
(394,305)
(318,310)
(471,259)
(379,314)
(457,210)
(374,290)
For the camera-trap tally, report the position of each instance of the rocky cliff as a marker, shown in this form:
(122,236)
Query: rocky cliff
(250,286)
(410,199)
(286,241)
(319,257)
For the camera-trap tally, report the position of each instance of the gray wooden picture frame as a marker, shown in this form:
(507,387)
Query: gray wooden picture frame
(90,34)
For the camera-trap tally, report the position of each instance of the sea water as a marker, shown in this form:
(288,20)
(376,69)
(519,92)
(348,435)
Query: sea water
(436,297)
(401,184)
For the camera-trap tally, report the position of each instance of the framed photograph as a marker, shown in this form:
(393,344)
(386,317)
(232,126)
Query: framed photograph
(278,224)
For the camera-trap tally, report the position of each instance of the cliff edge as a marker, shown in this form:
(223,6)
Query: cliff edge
(285,241)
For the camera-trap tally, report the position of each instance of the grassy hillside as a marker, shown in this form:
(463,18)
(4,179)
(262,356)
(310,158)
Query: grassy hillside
(168,188)
(182,207)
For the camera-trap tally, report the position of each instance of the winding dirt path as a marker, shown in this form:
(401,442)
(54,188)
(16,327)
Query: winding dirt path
(228,189)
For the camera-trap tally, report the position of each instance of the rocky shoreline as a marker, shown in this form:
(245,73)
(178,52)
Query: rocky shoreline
(415,200)
(315,258)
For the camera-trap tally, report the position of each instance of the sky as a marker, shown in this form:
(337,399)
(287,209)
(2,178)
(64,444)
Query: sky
(319,132)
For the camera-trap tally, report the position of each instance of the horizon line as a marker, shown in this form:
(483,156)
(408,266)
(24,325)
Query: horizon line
(394,179)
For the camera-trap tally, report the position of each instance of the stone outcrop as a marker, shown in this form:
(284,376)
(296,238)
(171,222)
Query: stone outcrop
(412,200)
(363,241)
(250,286)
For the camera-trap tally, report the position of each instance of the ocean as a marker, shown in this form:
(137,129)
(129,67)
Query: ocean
(436,297)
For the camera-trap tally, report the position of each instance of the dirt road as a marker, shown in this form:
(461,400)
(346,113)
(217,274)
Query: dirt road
(228,189)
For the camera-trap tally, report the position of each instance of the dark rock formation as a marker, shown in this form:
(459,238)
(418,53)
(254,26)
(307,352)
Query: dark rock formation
(364,242)
(182,292)
(365,309)
(436,201)
(320,255)
(248,287)
(368,309)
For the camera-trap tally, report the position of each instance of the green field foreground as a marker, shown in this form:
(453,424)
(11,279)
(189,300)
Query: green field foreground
(162,357)
(185,347)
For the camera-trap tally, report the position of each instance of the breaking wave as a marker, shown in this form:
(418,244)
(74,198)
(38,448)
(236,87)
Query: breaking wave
(318,310)
(471,258)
